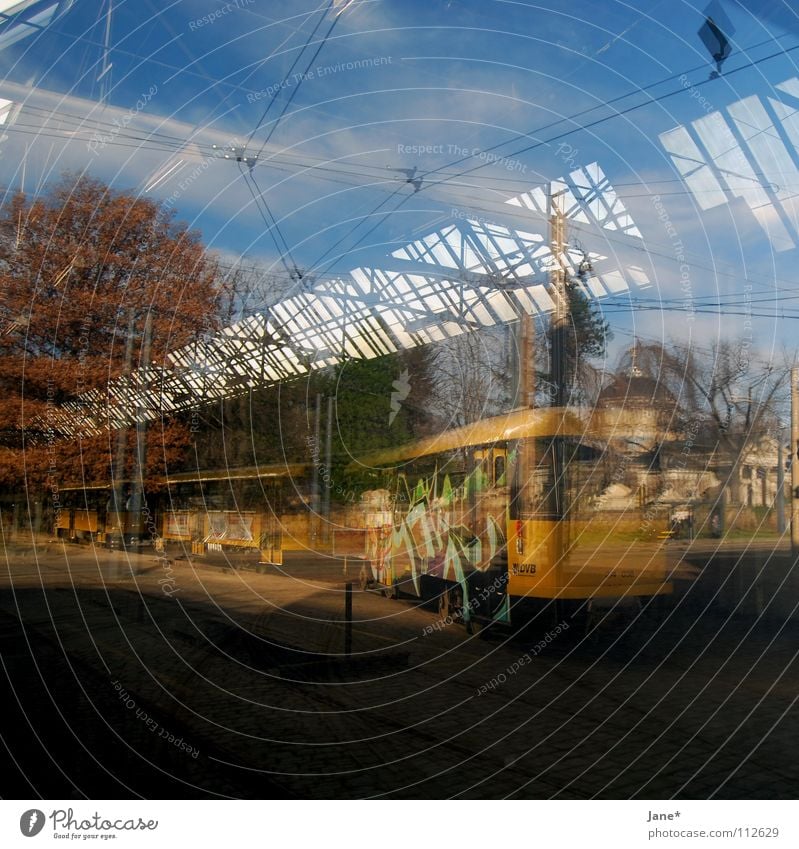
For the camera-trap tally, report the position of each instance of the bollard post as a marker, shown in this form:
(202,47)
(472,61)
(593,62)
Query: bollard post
(348,619)
(795,461)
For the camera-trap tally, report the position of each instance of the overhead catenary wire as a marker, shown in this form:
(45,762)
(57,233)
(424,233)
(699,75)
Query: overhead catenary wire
(270,219)
(118,49)
(427,185)
(156,137)
(606,118)
(781,314)
(238,87)
(450,178)
(787,286)
(616,99)
(282,162)
(273,98)
(272,228)
(304,75)
(529,147)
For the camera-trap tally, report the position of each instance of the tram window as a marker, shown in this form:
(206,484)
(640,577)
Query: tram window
(499,470)
(537,486)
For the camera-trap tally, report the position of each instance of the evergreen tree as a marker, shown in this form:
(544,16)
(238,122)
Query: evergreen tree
(584,335)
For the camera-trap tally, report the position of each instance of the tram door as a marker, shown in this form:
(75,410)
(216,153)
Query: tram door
(537,539)
(271,529)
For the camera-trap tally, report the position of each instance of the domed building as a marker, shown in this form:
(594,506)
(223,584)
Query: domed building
(637,409)
(642,418)
(673,459)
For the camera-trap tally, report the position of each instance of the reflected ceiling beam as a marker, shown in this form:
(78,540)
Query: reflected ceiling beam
(20,20)
(746,152)
(465,275)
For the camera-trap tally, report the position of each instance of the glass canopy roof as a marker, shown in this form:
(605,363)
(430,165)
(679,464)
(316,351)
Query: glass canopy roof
(283,137)
(463,276)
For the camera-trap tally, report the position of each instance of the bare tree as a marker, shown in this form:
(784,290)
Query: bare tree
(728,398)
(83,269)
(471,378)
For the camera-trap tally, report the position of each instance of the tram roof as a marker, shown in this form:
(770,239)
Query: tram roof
(276,470)
(517,424)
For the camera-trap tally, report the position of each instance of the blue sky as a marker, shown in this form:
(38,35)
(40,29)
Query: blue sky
(404,85)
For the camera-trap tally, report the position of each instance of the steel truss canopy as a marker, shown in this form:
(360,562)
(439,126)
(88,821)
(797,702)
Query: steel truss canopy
(746,151)
(20,20)
(466,275)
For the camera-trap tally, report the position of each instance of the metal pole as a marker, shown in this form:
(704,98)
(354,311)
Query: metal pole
(105,87)
(558,367)
(328,479)
(780,500)
(118,468)
(525,393)
(348,619)
(795,460)
(315,470)
(137,495)
(37,518)
(560,315)
(514,342)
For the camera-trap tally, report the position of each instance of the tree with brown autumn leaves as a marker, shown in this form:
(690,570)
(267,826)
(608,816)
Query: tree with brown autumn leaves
(77,266)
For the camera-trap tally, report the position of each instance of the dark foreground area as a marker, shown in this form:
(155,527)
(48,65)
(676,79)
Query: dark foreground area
(128,676)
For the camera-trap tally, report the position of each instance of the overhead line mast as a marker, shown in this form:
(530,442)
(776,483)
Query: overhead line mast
(560,316)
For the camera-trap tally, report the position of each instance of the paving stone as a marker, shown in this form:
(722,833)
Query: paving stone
(249,669)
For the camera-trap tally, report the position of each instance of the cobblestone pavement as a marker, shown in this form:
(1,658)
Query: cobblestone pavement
(134,676)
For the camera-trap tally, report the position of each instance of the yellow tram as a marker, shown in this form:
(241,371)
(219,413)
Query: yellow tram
(513,509)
